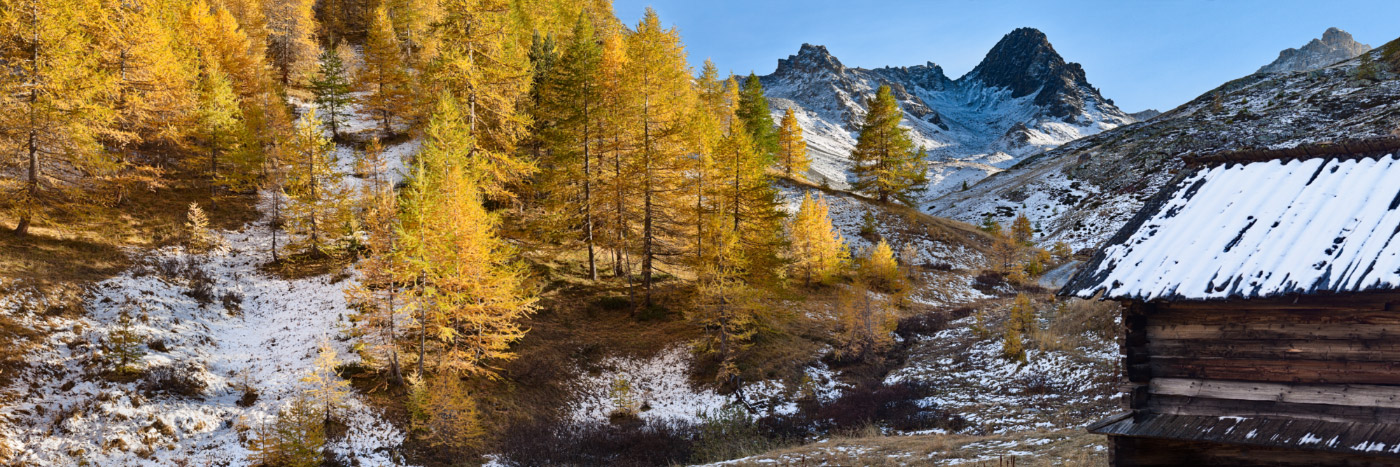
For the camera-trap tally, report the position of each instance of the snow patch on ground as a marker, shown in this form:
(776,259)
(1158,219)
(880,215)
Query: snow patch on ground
(68,414)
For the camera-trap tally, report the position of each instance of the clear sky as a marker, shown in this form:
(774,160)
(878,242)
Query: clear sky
(1140,53)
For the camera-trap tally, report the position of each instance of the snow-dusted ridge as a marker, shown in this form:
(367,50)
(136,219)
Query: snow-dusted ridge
(1022,100)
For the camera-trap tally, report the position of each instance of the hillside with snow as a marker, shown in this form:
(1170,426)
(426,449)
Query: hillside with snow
(1082,192)
(1022,99)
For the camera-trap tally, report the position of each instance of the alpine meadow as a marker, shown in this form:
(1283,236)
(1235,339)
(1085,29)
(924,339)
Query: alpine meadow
(537,233)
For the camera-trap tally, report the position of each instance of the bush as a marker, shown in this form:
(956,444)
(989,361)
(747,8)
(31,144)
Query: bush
(729,434)
(928,324)
(894,406)
(638,443)
(989,281)
(179,379)
(201,286)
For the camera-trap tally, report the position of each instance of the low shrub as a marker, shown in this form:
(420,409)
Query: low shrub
(638,443)
(185,379)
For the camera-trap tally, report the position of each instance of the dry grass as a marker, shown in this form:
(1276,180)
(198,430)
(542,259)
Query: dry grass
(1075,323)
(86,242)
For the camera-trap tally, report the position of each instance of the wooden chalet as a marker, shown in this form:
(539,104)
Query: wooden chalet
(1262,316)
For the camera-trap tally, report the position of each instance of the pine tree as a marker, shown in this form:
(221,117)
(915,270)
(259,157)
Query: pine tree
(705,132)
(376,295)
(1021,231)
(201,238)
(220,119)
(324,385)
(154,87)
(753,110)
(52,105)
(867,322)
(384,77)
(817,250)
(332,90)
(660,83)
(124,344)
(486,70)
(792,149)
(292,45)
(572,96)
(747,199)
(885,161)
(315,198)
(470,291)
(1017,326)
(879,269)
(728,309)
(452,419)
(616,130)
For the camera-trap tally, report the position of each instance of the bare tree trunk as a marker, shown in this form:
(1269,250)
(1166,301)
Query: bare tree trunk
(588,196)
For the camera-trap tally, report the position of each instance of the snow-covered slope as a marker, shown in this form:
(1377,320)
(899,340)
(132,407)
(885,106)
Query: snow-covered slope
(261,332)
(1021,100)
(1336,45)
(1084,191)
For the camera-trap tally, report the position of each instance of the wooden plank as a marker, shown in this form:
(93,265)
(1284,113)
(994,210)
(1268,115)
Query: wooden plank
(1363,395)
(1200,406)
(1311,316)
(1254,331)
(1299,371)
(1140,451)
(1292,302)
(1281,349)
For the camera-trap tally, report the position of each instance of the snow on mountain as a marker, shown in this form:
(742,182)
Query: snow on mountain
(1022,99)
(1336,45)
(1084,191)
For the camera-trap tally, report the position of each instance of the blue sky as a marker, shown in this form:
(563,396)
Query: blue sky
(1142,54)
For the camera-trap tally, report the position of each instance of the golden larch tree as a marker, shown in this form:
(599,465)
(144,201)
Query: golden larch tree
(384,78)
(818,252)
(53,105)
(316,199)
(660,86)
(792,148)
(471,292)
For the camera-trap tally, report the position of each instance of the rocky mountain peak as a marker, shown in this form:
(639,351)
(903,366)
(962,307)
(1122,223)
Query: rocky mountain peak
(810,59)
(1025,63)
(1021,61)
(1334,46)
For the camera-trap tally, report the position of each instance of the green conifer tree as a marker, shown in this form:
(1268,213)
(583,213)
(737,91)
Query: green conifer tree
(332,89)
(753,110)
(886,164)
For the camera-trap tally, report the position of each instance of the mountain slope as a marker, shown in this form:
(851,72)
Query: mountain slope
(1084,191)
(1336,45)
(1022,99)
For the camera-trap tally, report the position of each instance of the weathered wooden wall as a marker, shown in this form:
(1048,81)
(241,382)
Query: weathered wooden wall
(1135,451)
(1325,358)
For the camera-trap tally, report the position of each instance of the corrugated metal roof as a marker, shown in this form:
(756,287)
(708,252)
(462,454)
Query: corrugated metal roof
(1345,437)
(1257,230)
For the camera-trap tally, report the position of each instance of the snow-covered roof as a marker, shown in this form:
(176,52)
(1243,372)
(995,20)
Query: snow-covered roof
(1258,229)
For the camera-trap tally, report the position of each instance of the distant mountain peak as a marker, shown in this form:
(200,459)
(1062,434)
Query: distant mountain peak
(1022,99)
(1024,62)
(809,59)
(1334,46)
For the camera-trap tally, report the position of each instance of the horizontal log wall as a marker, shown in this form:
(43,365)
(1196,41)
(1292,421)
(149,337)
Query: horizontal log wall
(1335,358)
(1133,451)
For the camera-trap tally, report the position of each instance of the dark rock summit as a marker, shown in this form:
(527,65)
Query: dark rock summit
(1025,62)
(1336,45)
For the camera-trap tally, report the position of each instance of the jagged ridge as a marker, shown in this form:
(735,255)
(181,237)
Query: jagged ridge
(1022,99)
